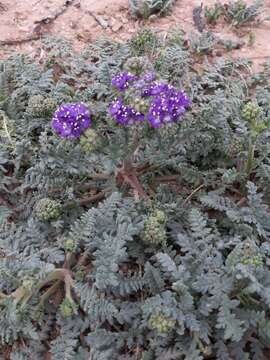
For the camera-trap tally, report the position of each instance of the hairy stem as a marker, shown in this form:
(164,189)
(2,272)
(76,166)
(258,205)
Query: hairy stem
(193,193)
(52,289)
(250,159)
(22,294)
(2,295)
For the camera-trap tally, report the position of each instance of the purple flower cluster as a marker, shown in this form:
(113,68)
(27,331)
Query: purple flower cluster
(71,120)
(167,106)
(123,114)
(164,103)
(122,80)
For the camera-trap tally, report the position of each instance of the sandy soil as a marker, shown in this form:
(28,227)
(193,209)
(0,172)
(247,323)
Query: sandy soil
(82,21)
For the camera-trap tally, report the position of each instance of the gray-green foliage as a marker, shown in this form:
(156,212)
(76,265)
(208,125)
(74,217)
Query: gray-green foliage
(238,13)
(182,276)
(145,8)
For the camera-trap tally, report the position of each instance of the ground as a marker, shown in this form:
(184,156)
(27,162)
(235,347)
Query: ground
(82,21)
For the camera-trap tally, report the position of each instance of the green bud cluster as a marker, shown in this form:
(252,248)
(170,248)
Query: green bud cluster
(161,323)
(138,65)
(245,253)
(40,106)
(90,141)
(251,112)
(68,307)
(69,245)
(236,146)
(255,261)
(154,228)
(28,283)
(47,209)
(80,273)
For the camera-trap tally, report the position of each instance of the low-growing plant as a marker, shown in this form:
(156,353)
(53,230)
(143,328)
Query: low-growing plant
(134,205)
(146,8)
(145,42)
(213,13)
(203,43)
(239,13)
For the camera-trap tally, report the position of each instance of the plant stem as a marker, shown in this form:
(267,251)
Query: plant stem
(250,159)
(93,198)
(5,121)
(52,289)
(21,294)
(2,295)
(193,193)
(90,199)
(166,178)
(68,285)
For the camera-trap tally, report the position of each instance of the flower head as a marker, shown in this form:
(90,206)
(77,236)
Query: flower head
(68,307)
(156,88)
(251,112)
(122,80)
(71,120)
(48,209)
(152,100)
(90,141)
(161,323)
(123,114)
(40,106)
(155,229)
(167,107)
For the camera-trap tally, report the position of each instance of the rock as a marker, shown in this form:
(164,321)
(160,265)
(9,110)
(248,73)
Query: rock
(102,21)
(124,20)
(153,17)
(84,36)
(73,25)
(116,25)
(77,4)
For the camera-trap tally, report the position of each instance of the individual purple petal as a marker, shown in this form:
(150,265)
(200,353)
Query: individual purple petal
(70,120)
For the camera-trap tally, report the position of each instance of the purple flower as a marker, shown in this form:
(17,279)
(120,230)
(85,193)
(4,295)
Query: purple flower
(71,120)
(123,114)
(122,80)
(156,88)
(167,107)
(155,101)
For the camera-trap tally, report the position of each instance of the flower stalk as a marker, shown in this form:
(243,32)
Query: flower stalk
(23,295)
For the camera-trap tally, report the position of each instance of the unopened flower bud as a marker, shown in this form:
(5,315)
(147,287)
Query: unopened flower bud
(154,229)
(68,307)
(251,112)
(161,323)
(90,141)
(40,106)
(47,209)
